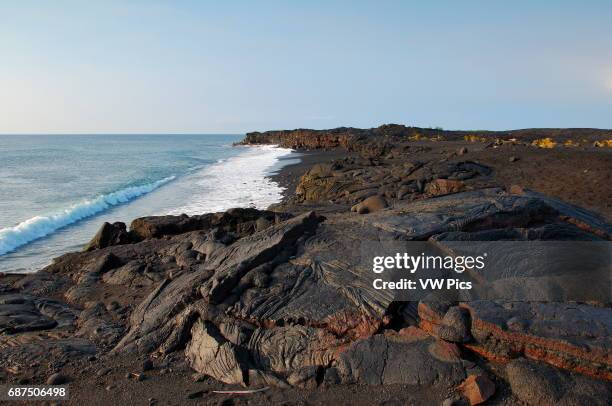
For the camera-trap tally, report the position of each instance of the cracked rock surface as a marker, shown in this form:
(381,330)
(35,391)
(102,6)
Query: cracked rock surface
(281,298)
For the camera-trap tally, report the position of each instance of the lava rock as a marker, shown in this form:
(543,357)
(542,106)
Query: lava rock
(56,379)
(109,235)
(370,205)
(477,389)
(147,365)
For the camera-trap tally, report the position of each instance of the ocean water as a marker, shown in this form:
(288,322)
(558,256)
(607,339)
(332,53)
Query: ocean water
(56,190)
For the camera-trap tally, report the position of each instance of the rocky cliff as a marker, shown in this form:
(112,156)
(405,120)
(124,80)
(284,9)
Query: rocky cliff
(356,139)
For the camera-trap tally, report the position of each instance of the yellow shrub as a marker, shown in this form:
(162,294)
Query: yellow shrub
(571,143)
(603,144)
(416,137)
(474,138)
(544,143)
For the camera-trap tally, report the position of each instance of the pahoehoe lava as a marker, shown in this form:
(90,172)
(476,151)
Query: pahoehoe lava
(272,298)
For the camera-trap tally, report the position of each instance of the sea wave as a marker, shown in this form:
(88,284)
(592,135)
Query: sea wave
(37,227)
(239,181)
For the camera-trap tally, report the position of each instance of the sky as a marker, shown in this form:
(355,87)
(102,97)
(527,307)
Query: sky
(237,66)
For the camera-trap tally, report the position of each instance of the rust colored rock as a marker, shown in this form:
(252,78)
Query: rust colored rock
(444,351)
(574,337)
(516,190)
(477,389)
(370,205)
(440,187)
(413,333)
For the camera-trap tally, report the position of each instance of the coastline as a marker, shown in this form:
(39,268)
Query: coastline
(157,311)
(238,180)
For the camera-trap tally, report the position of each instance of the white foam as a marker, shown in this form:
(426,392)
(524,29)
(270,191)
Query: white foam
(41,226)
(240,181)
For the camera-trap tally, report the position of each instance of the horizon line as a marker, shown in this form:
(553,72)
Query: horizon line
(301,128)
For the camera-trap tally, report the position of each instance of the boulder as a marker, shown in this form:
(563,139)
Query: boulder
(56,379)
(477,389)
(452,325)
(109,235)
(370,205)
(539,384)
(439,187)
(211,354)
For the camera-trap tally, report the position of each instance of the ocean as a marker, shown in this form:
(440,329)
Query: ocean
(57,190)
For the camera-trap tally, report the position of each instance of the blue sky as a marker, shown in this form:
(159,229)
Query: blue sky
(233,66)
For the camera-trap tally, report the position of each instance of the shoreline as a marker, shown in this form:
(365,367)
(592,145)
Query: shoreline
(289,176)
(35,242)
(157,311)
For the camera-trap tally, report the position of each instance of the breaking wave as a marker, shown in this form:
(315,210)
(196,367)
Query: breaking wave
(240,181)
(41,226)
